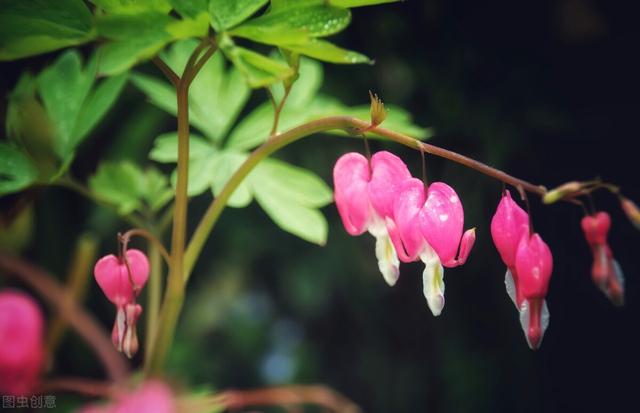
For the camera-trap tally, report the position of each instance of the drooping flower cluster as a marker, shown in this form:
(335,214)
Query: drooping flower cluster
(529,265)
(121,280)
(21,343)
(605,271)
(409,220)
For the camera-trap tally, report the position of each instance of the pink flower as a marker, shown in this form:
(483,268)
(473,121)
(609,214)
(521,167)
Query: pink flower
(606,271)
(415,234)
(21,343)
(151,397)
(534,264)
(508,225)
(529,263)
(364,195)
(121,281)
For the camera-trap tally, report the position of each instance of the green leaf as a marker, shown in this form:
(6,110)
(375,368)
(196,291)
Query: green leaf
(226,14)
(136,37)
(63,87)
(295,24)
(328,52)
(202,171)
(16,170)
(121,184)
(157,191)
(165,148)
(253,129)
(227,163)
(32,27)
(304,222)
(359,3)
(258,70)
(191,8)
(132,7)
(296,184)
(97,104)
(159,92)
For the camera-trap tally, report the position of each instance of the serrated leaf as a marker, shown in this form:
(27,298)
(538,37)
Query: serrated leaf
(63,87)
(99,101)
(16,170)
(227,163)
(226,14)
(295,24)
(165,148)
(296,184)
(159,92)
(257,69)
(31,27)
(121,184)
(304,222)
(328,52)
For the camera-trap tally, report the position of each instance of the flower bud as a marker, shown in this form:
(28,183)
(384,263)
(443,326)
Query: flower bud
(113,277)
(561,192)
(378,112)
(631,210)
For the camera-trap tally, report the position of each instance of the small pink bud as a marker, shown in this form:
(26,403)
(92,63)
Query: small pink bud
(508,225)
(605,271)
(112,275)
(21,343)
(631,210)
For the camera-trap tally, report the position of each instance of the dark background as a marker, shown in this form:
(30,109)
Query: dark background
(545,90)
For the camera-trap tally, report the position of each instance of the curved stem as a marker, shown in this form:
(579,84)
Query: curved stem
(346,123)
(124,238)
(83,322)
(166,70)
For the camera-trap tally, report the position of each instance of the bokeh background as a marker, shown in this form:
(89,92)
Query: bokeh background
(546,90)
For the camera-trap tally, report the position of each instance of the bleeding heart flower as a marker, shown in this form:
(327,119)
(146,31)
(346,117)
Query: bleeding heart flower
(410,240)
(21,343)
(121,281)
(441,222)
(508,225)
(605,272)
(364,196)
(534,264)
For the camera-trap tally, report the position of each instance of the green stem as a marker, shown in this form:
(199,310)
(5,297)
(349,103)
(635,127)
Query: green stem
(174,293)
(348,124)
(154,291)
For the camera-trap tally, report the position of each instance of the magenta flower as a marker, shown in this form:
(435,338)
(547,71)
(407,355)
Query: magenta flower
(606,271)
(364,195)
(416,235)
(529,263)
(534,264)
(508,225)
(21,343)
(121,281)
(151,397)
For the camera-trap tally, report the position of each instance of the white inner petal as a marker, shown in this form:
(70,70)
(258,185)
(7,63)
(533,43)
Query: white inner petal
(511,286)
(388,261)
(433,281)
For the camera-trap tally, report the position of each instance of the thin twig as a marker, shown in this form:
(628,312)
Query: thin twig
(84,323)
(140,232)
(166,70)
(78,385)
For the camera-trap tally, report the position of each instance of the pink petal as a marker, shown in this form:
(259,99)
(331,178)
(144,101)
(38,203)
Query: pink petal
(508,225)
(350,178)
(441,221)
(388,174)
(151,397)
(468,239)
(113,276)
(21,343)
(596,227)
(404,230)
(534,264)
